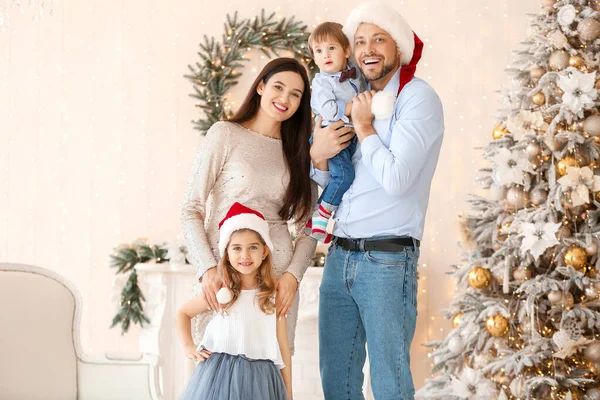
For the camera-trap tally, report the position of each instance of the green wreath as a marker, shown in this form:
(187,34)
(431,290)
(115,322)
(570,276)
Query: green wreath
(218,71)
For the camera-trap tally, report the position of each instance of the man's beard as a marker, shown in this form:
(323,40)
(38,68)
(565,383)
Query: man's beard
(387,68)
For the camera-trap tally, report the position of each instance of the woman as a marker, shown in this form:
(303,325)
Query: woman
(259,158)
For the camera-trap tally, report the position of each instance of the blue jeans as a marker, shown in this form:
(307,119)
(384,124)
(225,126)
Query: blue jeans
(367,297)
(342,176)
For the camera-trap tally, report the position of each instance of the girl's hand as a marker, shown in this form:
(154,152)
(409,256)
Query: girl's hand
(211,283)
(193,354)
(287,285)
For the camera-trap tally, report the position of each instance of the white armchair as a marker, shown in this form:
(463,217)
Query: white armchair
(40,350)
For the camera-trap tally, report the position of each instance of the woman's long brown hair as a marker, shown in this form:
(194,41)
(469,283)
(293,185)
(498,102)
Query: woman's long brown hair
(265,280)
(295,133)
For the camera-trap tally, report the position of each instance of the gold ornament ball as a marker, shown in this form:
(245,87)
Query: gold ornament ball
(516,198)
(592,352)
(558,60)
(497,325)
(479,278)
(499,132)
(456,319)
(562,165)
(576,257)
(591,125)
(536,73)
(589,29)
(576,61)
(538,99)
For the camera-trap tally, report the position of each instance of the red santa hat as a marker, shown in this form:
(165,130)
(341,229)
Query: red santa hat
(241,217)
(408,43)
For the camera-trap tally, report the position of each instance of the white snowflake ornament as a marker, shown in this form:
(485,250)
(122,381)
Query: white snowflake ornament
(537,237)
(510,166)
(578,88)
(578,182)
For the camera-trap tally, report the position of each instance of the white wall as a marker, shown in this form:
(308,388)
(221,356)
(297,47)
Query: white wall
(96,141)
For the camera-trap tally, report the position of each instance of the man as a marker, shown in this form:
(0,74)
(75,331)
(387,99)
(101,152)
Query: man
(369,287)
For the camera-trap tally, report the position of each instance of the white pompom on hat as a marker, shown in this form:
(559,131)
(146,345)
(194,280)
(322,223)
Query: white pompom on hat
(241,217)
(387,19)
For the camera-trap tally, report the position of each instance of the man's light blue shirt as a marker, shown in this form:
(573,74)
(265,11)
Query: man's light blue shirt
(394,169)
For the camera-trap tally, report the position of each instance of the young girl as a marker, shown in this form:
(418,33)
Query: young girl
(245,352)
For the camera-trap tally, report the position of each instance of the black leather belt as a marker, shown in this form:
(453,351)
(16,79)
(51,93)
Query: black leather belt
(390,245)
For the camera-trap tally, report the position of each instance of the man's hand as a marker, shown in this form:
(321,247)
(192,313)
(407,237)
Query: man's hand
(329,141)
(211,283)
(287,285)
(348,110)
(362,116)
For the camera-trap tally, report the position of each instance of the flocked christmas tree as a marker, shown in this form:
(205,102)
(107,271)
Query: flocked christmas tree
(526,316)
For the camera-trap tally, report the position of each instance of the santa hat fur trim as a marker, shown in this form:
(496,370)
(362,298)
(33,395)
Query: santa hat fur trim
(241,217)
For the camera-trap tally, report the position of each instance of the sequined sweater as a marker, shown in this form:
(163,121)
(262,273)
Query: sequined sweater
(237,164)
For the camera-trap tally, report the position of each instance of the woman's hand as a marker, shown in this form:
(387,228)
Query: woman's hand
(193,354)
(329,141)
(211,283)
(287,285)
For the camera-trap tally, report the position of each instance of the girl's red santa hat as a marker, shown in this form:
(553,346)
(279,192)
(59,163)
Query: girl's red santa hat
(241,217)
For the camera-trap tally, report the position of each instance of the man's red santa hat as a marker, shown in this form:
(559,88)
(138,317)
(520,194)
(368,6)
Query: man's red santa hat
(241,217)
(388,19)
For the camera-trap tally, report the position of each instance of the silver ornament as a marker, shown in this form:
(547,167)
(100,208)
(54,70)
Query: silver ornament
(559,60)
(592,249)
(558,39)
(548,5)
(555,296)
(589,29)
(533,149)
(517,198)
(592,293)
(591,125)
(592,352)
(536,73)
(563,233)
(517,386)
(553,144)
(538,196)
(592,394)
(522,274)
